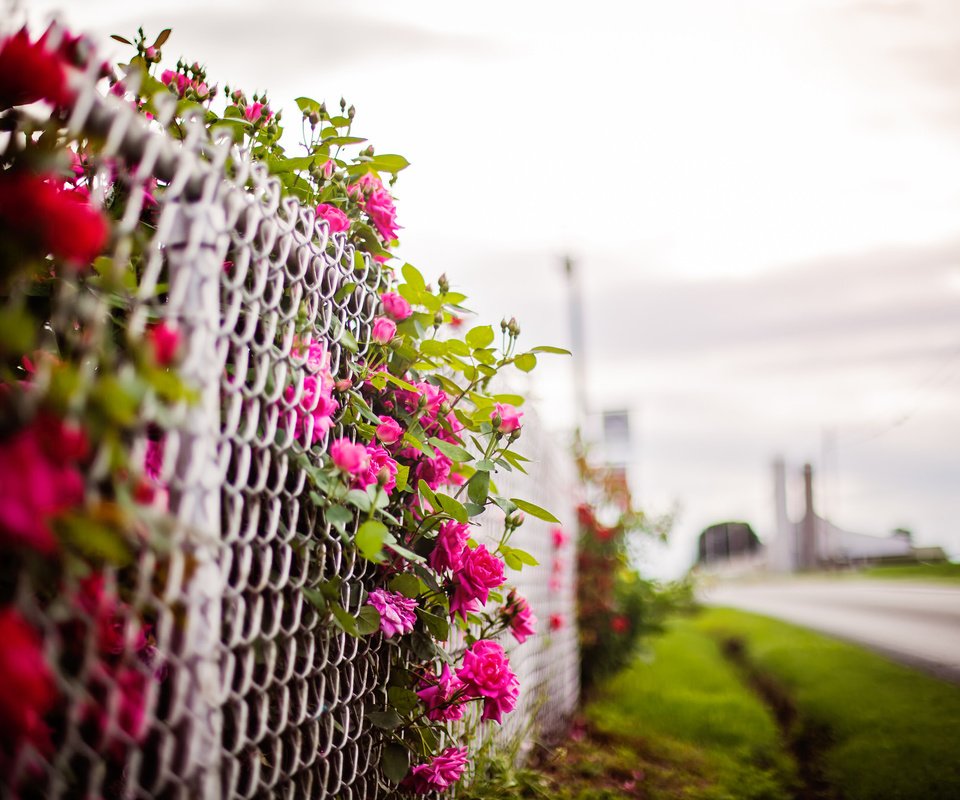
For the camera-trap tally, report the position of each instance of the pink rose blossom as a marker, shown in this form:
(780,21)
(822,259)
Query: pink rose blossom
(384,330)
(509,417)
(349,457)
(480,572)
(164,340)
(337,221)
(519,617)
(560,538)
(433,471)
(381,469)
(451,544)
(389,430)
(440,773)
(38,482)
(486,673)
(382,213)
(328,168)
(257,111)
(27,689)
(396,306)
(397,613)
(316,403)
(557,622)
(442,696)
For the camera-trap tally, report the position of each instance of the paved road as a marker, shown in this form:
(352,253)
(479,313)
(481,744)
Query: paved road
(915,623)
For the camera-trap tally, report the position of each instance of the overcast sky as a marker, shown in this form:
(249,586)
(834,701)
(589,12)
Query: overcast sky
(762,198)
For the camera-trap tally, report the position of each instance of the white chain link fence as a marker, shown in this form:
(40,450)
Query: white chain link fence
(259,696)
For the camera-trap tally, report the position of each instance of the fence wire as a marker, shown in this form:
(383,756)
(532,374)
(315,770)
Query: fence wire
(251,693)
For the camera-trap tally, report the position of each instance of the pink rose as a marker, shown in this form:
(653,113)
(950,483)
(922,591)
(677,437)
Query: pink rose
(381,469)
(389,430)
(382,212)
(164,340)
(397,613)
(519,617)
(38,482)
(440,773)
(559,537)
(396,306)
(557,622)
(509,417)
(486,673)
(442,696)
(433,471)
(27,689)
(384,330)
(328,168)
(337,221)
(316,404)
(349,457)
(450,546)
(479,572)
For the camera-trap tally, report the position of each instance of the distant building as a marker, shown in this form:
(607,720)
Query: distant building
(725,541)
(816,543)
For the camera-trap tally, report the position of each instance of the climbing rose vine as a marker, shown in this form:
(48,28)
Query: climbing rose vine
(400,446)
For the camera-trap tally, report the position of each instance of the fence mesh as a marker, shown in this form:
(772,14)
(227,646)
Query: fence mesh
(243,688)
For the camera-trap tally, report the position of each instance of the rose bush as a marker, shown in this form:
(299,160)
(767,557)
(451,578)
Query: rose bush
(400,446)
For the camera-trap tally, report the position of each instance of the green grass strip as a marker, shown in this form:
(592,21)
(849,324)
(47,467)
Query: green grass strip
(894,734)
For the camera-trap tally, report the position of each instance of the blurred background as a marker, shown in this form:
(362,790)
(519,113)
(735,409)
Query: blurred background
(760,203)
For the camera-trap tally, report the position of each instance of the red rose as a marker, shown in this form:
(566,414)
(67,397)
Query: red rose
(29,72)
(27,690)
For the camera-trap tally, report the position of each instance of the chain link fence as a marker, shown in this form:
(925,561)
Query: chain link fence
(250,692)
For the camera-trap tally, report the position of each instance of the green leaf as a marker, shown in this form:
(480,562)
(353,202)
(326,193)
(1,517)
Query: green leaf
(403,473)
(534,510)
(368,620)
(395,762)
(510,559)
(548,349)
(451,451)
(432,348)
(473,509)
(307,104)
(478,487)
(316,599)
(453,507)
(94,539)
(17,331)
(525,557)
(402,700)
(119,38)
(344,620)
(349,341)
(525,362)
(400,550)
(510,399)
(438,626)
(387,720)
(413,277)
(479,337)
(161,39)
(389,162)
(507,506)
(427,493)
(360,499)
(339,517)
(484,466)
(370,538)
(407,584)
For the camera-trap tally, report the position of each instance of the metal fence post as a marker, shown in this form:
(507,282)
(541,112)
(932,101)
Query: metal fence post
(195,256)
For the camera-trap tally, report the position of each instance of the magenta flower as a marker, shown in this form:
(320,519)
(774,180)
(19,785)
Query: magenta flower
(450,546)
(27,689)
(509,417)
(442,696)
(389,430)
(560,538)
(486,673)
(440,773)
(337,221)
(384,330)
(382,212)
(396,306)
(38,481)
(480,572)
(316,403)
(397,613)
(381,469)
(164,340)
(516,611)
(349,457)
(433,471)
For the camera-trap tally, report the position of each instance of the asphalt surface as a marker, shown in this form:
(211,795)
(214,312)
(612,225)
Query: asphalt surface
(912,622)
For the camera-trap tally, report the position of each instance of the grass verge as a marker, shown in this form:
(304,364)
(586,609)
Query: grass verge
(679,725)
(890,732)
(943,571)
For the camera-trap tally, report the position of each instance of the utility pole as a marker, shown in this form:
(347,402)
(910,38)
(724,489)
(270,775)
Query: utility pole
(577,343)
